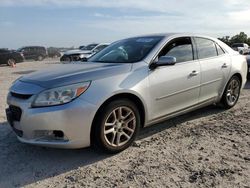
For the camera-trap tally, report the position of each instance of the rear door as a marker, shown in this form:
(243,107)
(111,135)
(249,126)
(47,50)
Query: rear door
(215,66)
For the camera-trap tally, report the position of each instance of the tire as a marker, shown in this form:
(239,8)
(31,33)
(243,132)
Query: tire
(119,134)
(11,62)
(67,59)
(231,93)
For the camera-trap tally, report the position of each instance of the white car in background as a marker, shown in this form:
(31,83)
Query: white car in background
(83,53)
(242,48)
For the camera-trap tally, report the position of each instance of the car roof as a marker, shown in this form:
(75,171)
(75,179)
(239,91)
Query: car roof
(33,47)
(175,35)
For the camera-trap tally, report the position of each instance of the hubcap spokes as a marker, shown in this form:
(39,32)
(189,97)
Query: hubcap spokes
(233,92)
(119,126)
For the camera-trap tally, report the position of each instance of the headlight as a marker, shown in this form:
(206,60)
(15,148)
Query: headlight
(60,95)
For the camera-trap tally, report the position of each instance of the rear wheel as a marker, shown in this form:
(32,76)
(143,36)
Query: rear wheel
(11,62)
(231,93)
(116,126)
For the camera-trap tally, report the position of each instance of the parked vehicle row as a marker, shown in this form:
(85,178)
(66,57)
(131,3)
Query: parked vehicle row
(10,57)
(38,53)
(131,84)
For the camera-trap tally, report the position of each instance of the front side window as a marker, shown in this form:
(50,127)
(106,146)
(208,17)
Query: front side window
(180,48)
(128,50)
(206,48)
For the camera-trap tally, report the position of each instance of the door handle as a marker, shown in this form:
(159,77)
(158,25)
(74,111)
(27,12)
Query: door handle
(194,73)
(224,65)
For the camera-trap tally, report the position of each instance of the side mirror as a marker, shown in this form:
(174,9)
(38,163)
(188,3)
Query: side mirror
(163,61)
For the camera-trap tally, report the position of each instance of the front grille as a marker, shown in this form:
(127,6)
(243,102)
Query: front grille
(20,96)
(16,112)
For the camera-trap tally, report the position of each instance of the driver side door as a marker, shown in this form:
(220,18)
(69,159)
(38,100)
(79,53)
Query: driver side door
(175,87)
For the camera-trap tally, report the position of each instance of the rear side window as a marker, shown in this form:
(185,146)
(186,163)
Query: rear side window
(180,48)
(206,48)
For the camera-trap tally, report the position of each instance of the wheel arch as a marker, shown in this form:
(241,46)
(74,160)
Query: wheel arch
(135,99)
(238,75)
(234,74)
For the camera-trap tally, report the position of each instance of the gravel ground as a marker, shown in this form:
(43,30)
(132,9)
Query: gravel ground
(209,147)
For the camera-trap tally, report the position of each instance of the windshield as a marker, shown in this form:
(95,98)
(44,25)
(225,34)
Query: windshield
(89,47)
(127,51)
(19,49)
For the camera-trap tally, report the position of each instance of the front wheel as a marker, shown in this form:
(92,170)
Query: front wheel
(231,93)
(116,126)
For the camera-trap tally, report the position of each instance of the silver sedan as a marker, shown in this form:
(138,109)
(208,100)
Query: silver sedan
(131,84)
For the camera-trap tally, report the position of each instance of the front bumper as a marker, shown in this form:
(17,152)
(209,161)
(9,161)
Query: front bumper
(62,126)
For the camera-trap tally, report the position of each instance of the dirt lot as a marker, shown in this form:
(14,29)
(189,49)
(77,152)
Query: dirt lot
(206,148)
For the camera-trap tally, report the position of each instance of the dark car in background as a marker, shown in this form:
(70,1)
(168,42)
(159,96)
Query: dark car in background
(53,52)
(248,65)
(83,53)
(10,57)
(37,53)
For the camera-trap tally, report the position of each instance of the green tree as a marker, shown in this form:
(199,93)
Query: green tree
(248,41)
(226,39)
(239,38)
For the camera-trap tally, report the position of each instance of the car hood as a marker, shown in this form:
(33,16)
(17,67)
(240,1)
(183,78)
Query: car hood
(66,74)
(70,52)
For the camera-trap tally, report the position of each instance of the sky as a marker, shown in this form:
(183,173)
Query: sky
(66,23)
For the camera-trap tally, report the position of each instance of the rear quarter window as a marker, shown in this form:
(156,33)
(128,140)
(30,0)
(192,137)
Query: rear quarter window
(220,51)
(206,48)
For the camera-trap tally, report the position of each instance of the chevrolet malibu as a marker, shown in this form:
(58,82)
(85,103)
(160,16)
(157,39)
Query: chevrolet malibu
(131,84)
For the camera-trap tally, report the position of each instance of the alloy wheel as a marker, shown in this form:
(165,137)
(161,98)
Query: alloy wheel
(119,126)
(233,91)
